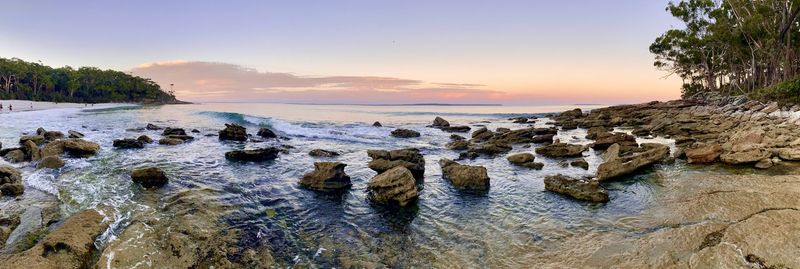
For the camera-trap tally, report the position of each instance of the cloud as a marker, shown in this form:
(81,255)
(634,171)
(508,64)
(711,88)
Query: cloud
(211,81)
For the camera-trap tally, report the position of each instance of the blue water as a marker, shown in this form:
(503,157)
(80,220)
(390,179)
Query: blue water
(516,217)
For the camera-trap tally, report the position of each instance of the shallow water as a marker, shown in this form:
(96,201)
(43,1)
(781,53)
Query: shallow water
(515,218)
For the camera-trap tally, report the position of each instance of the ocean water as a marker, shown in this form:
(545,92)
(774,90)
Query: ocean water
(498,228)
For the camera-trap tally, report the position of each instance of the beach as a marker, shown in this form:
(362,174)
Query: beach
(10,106)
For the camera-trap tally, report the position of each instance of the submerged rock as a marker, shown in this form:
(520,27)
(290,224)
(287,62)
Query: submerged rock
(708,153)
(405,133)
(377,124)
(626,165)
(145,139)
(149,177)
(128,143)
(322,153)
(170,141)
(173,131)
(560,150)
(465,177)
(581,189)
(266,133)
(327,177)
(52,162)
(75,134)
(153,127)
(525,160)
(81,148)
(233,132)
(580,163)
(253,155)
(440,122)
(409,158)
(395,186)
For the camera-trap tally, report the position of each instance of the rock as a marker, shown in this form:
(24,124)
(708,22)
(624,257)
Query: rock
(440,122)
(181,137)
(520,158)
(488,148)
(395,186)
(743,157)
(707,153)
(377,124)
(747,141)
(405,133)
(764,163)
(455,137)
(580,163)
(145,139)
(9,175)
(502,130)
(569,125)
(456,129)
(543,139)
(409,158)
(575,113)
(593,132)
(32,152)
(266,133)
(15,156)
(626,165)
(603,141)
(128,143)
(789,154)
(520,120)
(482,134)
(40,131)
(53,135)
(75,134)
(173,131)
(253,155)
(12,189)
(149,177)
(458,145)
(54,148)
(560,150)
(233,132)
(170,141)
(52,162)
(322,153)
(326,177)
(611,153)
(581,189)
(80,148)
(465,177)
(37,139)
(153,127)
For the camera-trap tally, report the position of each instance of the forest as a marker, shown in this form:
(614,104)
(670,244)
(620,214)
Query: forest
(735,47)
(37,82)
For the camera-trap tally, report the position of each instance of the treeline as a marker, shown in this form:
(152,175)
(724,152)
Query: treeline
(733,46)
(33,81)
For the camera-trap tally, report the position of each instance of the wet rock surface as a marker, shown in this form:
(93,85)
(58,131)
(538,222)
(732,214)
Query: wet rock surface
(395,186)
(233,132)
(581,189)
(323,153)
(253,155)
(149,177)
(410,158)
(405,133)
(465,177)
(560,150)
(327,177)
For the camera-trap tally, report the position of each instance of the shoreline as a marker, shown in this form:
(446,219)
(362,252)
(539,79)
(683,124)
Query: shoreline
(31,106)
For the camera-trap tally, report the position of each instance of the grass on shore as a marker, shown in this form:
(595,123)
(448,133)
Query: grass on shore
(785,93)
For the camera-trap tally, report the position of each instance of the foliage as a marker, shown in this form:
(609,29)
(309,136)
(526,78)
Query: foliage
(34,81)
(731,46)
(787,92)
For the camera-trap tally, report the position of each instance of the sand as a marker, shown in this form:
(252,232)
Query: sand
(23,105)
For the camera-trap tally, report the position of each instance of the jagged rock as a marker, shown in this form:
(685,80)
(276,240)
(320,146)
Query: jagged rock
(595,131)
(153,127)
(580,163)
(456,137)
(560,150)
(170,141)
(409,158)
(543,139)
(458,145)
(149,177)
(52,162)
(233,132)
(525,160)
(603,141)
(569,125)
(405,133)
(81,148)
(266,133)
(15,156)
(322,153)
(253,155)
(395,186)
(75,134)
(502,130)
(32,152)
(628,164)
(488,148)
(128,143)
(377,124)
(581,189)
(38,139)
(764,163)
(145,139)
(708,153)
(465,177)
(482,134)
(173,131)
(749,156)
(327,176)
(53,135)
(54,148)
(440,122)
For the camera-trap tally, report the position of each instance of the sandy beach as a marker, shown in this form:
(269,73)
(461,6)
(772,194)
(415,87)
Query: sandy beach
(11,106)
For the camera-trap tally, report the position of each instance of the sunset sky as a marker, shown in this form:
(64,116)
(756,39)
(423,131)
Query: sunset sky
(509,52)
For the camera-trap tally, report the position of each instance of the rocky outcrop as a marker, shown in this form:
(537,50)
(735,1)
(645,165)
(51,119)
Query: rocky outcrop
(10,181)
(128,143)
(621,166)
(405,133)
(456,129)
(488,149)
(37,139)
(80,148)
(439,122)
(52,162)
(149,177)
(605,140)
(322,153)
(253,155)
(145,139)
(560,150)
(465,177)
(708,153)
(52,135)
(524,160)
(75,134)
(395,186)
(745,157)
(173,131)
(458,145)
(580,163)
(581,189)
(233,132)
(152,127)
(327,177)
(409,158)
(32,152)
(266,133)
(482,134)
(15,156)
(170,141)
(377,124)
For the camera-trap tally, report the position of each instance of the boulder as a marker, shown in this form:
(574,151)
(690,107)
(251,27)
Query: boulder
(581,189)
(569,125)
(32,152)
(409,158)
(571,114)
(266,133)
(12,189)
(395,186)
(38,139)
(628,164)
(233,132)
(594,132)
(520,158)
(195,131)
(181,137)
(764,163)
(75,134)
(153,127)
(439,122)
(52,162)
(10,181)
(170,141)
(327,177)
(456,129)
(405,133)
(520,120)
(322,153)
(458,145)
(173,131)
(611,153)
(465,177)
(40,131)
(455,137)
(580,163)
(482,134)
(53,135)
(128,143)
(149,177)
(145,139)
(603,141)
(253,155)
(543,139)
(377,124)
(743,157)
(560,150)
(54,148)
(789,154)
(80,148)
(707,153)
(15,156)
(488,148)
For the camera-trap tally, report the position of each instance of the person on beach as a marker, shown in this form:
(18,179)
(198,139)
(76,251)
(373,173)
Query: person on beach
(10,108)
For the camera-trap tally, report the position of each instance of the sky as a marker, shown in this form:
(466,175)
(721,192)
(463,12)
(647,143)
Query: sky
(354,52)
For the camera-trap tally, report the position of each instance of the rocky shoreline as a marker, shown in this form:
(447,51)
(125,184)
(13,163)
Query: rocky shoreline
(706,128)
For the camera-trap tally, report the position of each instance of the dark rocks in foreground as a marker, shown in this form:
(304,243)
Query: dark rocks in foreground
(10,181)
(465,177)
(525,160)
(233,132)
(266,133)
(409,158)
(149,177)
(327,177)
(620,166)
(405,133)
(322,153)
(173,131)
(80,148)
(52,162)
(581,189)
(128,143)
(395,186)
(560,150)
(253,155)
